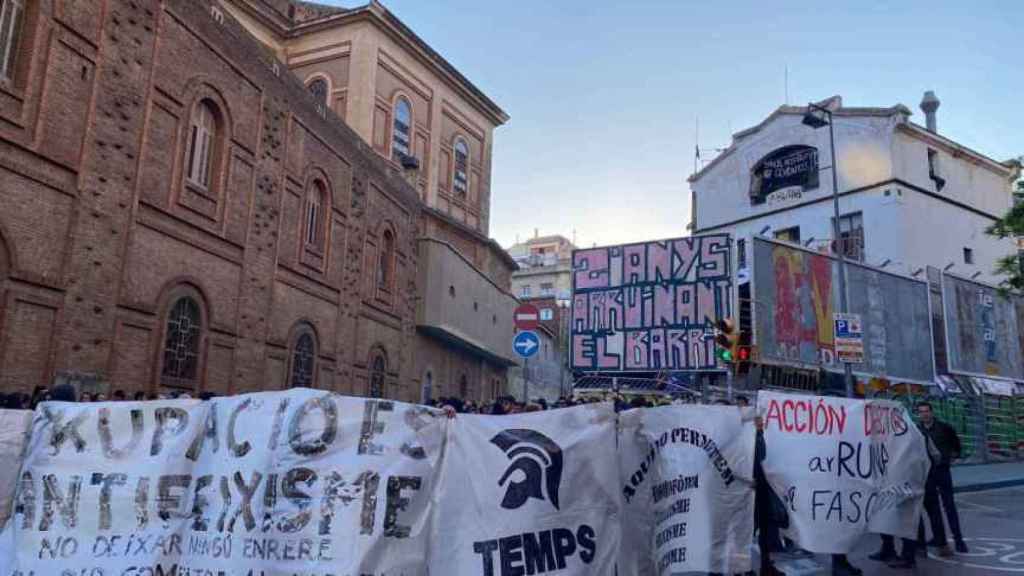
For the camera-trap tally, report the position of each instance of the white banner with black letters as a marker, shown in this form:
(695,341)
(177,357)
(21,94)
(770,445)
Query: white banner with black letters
(14,425)
(843,468)
(296,482)
(688,490)
(529,494)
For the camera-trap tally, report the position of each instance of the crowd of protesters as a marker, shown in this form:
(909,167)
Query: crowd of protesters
(68,393)
(942,441)
(510,405)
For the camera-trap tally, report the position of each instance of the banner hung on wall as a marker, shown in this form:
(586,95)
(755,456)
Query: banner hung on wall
(687,485)
(268,483)
(843,468)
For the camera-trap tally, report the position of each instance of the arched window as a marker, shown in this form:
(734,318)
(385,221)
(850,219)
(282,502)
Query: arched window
(12,13)
(316,203)
(428,388)
(303,368)
(378,368)
(460,178)
(318,88)
(385,268)
(202,139)
(181,344)
(463,387)
(401,133)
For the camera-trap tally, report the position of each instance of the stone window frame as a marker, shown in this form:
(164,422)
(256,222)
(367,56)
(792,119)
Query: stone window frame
(315,253)
(328,87)
(180,291)
(202,91)
(303,332)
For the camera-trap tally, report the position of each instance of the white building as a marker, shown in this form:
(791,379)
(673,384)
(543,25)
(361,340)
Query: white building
(909,197)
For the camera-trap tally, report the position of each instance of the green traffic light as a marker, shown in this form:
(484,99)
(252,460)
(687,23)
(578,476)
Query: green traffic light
(724,354)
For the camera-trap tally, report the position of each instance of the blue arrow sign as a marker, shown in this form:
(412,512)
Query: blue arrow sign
(526,344)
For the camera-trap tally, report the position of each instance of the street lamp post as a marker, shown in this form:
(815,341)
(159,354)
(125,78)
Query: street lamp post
(817,117)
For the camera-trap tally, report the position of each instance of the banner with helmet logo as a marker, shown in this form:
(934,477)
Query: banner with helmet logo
(530,494)
(295,482)
(688,490)
(843,468)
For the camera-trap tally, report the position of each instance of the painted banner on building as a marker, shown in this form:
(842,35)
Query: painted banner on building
(796,295)
(530,494)
(687,486)
(983,329)
(269,483)
(843,468)
(788,172)
(650,306)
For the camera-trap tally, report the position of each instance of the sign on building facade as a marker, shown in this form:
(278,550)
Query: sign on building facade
(786,171)
(983,329)
(650,306)
(797,295)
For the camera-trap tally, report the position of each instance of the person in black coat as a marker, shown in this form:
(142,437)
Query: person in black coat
(943,446)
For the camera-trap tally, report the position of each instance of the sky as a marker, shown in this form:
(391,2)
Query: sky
(605,97)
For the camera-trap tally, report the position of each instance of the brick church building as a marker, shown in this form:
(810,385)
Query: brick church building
(181,208)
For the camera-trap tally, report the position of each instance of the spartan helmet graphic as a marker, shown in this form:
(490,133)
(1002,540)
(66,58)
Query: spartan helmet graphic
(538,457)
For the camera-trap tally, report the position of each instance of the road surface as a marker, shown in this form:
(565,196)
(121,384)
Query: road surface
(993,525)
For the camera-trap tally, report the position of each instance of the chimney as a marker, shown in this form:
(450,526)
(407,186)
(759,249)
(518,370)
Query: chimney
(536,233)
(929,104)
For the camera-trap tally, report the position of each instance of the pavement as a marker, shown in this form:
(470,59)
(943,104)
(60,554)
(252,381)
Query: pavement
(990,500)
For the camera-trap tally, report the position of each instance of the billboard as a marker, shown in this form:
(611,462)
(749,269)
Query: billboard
(983,329)
(650,306)
(796,297)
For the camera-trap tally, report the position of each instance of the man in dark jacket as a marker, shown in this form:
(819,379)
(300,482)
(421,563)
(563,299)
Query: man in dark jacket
(943,446)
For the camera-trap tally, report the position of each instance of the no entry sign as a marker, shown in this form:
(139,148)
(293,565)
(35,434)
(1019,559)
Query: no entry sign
(526,317)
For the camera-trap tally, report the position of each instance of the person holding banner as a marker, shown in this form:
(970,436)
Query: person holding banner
(906,560)
(943,446)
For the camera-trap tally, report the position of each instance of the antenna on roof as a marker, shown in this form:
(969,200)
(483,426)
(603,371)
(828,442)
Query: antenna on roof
(787,85)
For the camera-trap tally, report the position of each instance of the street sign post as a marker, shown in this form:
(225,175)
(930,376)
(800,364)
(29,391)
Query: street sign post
(526,317)
(526,344)
(849,338)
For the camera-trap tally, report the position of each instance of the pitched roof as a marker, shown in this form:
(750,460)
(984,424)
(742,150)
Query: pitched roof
(834,103)
(325,16)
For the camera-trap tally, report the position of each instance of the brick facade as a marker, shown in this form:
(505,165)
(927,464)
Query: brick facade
(101,232)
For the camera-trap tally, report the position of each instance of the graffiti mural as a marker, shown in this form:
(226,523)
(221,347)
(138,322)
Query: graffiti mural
(796,293)
(983,329)
(650,306)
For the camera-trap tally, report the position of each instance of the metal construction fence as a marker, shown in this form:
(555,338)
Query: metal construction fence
(990,426)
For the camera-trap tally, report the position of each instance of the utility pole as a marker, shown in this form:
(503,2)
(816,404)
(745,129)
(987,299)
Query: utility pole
(810,119)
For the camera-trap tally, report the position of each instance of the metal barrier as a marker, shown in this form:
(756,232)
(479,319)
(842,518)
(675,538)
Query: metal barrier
(991,427)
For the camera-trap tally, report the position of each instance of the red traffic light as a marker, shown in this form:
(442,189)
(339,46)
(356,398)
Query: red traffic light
(743,354)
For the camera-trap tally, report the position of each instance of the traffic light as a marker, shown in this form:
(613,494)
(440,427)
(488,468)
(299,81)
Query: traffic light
(727,340)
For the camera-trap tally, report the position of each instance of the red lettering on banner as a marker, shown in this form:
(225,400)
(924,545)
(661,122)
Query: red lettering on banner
(773,412)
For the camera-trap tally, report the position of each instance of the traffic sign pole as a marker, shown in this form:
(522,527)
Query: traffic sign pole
(526,380)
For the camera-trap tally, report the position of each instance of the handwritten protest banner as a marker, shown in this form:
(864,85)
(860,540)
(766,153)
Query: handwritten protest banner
(298,482)
(13,434)
(687,486)
(529,494)
(843,468)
